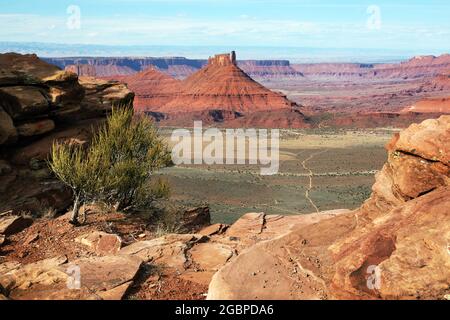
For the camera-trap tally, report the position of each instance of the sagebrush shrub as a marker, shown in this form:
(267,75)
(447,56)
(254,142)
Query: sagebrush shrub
(117,166)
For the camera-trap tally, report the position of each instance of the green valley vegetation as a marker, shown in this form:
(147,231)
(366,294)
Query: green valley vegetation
(117,166)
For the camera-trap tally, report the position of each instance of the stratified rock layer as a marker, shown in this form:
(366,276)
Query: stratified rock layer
(394,247)
(153,88)
(222,85)
(40,104)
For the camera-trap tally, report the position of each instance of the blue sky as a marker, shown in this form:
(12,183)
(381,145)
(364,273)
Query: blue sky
(415,25)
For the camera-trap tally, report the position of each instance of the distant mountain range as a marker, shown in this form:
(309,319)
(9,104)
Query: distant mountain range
(180,67)
(293,54)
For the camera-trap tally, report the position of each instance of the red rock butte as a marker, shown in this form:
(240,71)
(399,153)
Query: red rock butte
(220,85)
(153,88)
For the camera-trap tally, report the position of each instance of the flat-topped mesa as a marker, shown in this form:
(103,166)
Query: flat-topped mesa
(224,59)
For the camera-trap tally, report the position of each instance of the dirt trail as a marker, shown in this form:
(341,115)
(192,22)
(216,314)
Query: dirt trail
(310,175)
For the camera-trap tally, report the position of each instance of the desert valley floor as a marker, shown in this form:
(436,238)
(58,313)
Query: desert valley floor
(340,164)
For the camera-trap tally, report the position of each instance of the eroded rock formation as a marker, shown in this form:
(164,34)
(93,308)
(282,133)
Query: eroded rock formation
(222,85)
(218,93)
(39,103)
(438,105)
(153,88)
(394,247)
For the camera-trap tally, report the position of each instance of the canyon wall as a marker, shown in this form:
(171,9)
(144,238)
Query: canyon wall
(40,104)
(179,67)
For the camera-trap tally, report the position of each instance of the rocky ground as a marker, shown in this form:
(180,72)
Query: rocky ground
(122,257)
(400,235)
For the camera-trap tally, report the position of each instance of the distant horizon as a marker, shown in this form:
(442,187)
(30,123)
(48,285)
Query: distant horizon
(356,29)
(292,54)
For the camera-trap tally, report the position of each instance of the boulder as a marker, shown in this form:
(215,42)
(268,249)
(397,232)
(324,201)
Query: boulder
(101,95)
(194,219)
(192,257)
(413,176)
(15,278)
(41,104)
(252,228)
(428,140)
(169,250)
(64,90)
(215,229)
(35,128)
(417,164)
(101,243)
(210,256)
(24,69)
(89,278)
(409,247)
(108,277)
(289,266)
(25,101)
(13,224)
(79,133)
(8,133)
(204,259)
(196,257)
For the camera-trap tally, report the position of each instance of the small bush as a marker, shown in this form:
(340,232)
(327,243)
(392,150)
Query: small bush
(117,166)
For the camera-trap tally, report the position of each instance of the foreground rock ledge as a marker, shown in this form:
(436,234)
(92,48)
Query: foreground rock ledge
(192,257)
(105,278)
(396,246)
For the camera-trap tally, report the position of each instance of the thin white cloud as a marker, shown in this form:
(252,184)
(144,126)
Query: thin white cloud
(185,30)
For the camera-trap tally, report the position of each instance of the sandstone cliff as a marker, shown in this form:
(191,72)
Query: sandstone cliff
(177,67)
(394,247)
(222,85)
(417,67)
(438,105)
(40,103)
(219,93)
(153,88)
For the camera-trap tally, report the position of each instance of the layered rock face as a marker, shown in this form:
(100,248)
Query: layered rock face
(219,93)
(222,85)
(177,67)
(111,267)
(40,103)
(425,110)
(153,88)
(268,69)
(440,105)
(394,247)
(417,67)
(438,83)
